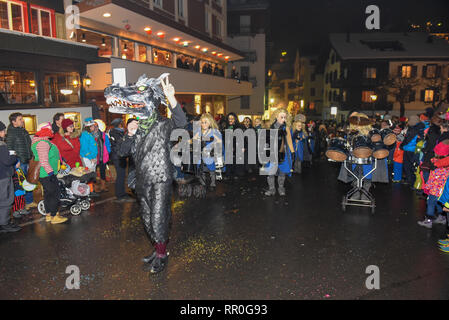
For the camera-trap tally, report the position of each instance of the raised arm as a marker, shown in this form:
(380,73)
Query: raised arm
(178,116)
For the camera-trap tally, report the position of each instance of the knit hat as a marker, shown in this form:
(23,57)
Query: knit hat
(116,122)
(2,126)
(44,130)
(441,149)
(89,121)
(413,120)
(66,123)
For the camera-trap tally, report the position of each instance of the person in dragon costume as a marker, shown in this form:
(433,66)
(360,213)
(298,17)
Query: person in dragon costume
(148,142)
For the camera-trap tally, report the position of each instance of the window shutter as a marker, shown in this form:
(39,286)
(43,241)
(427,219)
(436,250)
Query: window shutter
(414,71)
(436,95)
(400,71)
(412,96)
(423,92)
(438,72)
(424,71)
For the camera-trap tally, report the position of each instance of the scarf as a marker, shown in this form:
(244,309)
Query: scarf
(146,124)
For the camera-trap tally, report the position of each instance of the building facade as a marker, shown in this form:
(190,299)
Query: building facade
(183,38)
(248,22)
(368,71)
(41,72)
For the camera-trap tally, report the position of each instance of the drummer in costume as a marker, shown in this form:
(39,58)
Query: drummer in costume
(360,125)
(281,121)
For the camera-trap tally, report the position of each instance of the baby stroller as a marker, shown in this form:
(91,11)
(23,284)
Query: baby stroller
(74,193)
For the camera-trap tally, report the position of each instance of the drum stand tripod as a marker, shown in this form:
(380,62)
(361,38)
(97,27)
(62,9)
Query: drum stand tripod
(347,201)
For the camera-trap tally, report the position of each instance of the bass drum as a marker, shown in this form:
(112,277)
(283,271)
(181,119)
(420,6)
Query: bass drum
(361,147)
(380,151)
(374,135)
(388,136)
(337,150)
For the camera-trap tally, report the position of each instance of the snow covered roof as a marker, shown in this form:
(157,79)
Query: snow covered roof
(378,45)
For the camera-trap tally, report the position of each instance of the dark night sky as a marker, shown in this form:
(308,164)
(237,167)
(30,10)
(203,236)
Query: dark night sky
(307,23)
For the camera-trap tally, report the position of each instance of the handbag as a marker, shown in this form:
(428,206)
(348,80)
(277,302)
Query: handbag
(33,171)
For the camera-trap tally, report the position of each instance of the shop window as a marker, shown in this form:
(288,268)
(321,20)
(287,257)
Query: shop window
(11,16)
(127,50)
(41,21)
(103,42)
(17,87)
(30,123)
(61,88)
(162,57)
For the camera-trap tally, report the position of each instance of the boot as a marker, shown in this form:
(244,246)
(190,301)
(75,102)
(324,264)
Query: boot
(281,188)
(150,258)
(271,186)
(58,219)
(103,187)
(158,264)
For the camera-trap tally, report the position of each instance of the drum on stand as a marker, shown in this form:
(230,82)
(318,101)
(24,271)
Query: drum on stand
(361,147)
(337,150)
(388,136)
(380,151)
(374,135)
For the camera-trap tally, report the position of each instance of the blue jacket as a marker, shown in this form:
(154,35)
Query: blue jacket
(89,148)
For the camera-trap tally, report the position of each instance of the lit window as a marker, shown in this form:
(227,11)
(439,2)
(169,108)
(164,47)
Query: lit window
(406,72)
(370,73)
(428,96)
(366,96)
(11,16)
(127,49)
(41,23)
(17,87)
(103,42)
(162,57)
(142,53)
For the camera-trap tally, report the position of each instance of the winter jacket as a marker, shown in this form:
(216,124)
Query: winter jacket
(103,154)
(115,136)
(18,139)
(89,148)
(47,154)
(411,138)
(69,148)
(431,141)
(7,162)
(398,155)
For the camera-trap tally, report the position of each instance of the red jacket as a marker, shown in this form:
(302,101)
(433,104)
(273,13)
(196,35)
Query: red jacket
(398,155)
(69,148)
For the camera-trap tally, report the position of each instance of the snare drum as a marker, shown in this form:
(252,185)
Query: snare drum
(388,136)
(374,135)
(337,150)
(355,160)
(380,151)
(361,147)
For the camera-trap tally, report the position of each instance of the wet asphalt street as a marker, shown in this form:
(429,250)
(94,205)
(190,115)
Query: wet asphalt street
(238,244)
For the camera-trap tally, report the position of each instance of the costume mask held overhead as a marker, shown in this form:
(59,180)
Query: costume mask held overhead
(150,148)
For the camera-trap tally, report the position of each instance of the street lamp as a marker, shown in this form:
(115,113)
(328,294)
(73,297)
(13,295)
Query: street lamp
(373,100)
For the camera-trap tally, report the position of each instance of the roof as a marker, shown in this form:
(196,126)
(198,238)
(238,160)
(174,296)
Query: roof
(400,46)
